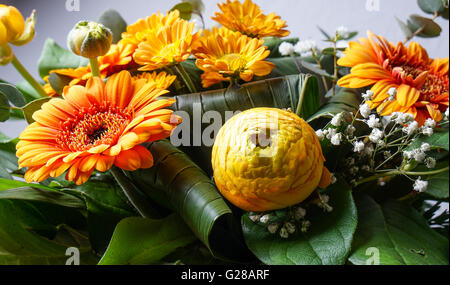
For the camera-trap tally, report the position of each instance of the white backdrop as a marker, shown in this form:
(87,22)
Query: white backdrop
(302,16)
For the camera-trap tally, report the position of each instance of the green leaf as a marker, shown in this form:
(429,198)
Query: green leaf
(6,184)
(345,100)
(175,180)
(145,241)
(436,140)
(185,9)
(283,92)
(41,195)
(29,109)
(326,242)
(20,242)
(273,44)
(404,27)
(55,57)
(431,6)
(4,108)
(14,96)
(58,82)
(438,186)
(399,233)
(114,21)
(27,90)
(428,27)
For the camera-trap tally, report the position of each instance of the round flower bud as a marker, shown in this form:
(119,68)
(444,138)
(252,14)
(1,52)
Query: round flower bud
(89,39)
(12,24)
(6,54)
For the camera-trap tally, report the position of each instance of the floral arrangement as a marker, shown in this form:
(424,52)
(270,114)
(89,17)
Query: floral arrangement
(168,142)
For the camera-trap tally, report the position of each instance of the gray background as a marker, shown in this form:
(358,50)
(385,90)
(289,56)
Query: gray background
(302,16)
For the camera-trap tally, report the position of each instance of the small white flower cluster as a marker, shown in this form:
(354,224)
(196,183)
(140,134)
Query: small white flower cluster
(392,92)
(331,134)
(305,47)
(420,185)
(419,155)
(343,32)
(446,114)
(368,95)
(365,110)
(286,48)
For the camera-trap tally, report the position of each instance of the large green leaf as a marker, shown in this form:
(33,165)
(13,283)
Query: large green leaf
(431,6)
(13,94)
(55,57)
(283,92)
(438,139)
(4,107)
(41,195)
(327,241)
(428,27)
(174,180)
(8,158)
(114,21)
(29,109)
(6,184)
(20,242)
(146,241)
(438,186)
(397,234)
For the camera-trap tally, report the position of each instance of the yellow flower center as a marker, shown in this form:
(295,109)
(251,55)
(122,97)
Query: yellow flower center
(434,86)
(92,127)
(235,61)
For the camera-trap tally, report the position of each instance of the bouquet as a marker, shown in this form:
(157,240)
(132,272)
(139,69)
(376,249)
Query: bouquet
(165,141)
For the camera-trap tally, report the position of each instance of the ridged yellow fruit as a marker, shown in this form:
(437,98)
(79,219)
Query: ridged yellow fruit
(266,159)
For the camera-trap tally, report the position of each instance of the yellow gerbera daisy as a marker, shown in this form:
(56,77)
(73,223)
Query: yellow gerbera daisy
(248,19)
(95,127)
(169,45)
(143,28)
(161,79)
(223,54)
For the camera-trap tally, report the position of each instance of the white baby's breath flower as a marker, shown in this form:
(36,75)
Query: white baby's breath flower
(376,135)
(333,179)
(305,47)
(336,139)
(392,92)
(430,123)
(264,219)
(365,110)
(349,161)
(420,185)
(290,227)
(273,228)
(368,95)
(402,118)
(299,213)
(430,162)
(419,155)
(427,131)
(446,113)
(286,48)
(373,122)
(358,146)
(337,120)
(330,133)
(408,154)
(368,149)
(425,147)
(342,31)
(284,233)
(320,134)
(411,128)
(353,170)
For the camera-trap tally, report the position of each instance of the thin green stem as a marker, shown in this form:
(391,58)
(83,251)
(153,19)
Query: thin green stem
(297,63)
(27,76)
(400,172)
(302,96)
(94,67)
(136,198)
(185,76)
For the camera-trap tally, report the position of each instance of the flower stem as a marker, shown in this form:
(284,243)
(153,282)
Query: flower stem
(27,76)
(185,76)
(399,172)
(94,67)
(139,201)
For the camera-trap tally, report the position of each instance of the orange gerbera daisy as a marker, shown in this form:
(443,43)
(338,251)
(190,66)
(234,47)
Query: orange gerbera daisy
(143,28)
(223,54)
(167,46)
(161,79)
(421,82)
(119,57)
(248,19)
(95,127)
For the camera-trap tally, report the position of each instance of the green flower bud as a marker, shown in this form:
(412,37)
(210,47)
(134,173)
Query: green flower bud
(89,39)
(6,54)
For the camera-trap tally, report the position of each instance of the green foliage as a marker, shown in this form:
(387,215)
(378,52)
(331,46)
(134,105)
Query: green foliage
(145,241)
(327,241)
(398,232)
(114,21)
(13,94)
(29,109)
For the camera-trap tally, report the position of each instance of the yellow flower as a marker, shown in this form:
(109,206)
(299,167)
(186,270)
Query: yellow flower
(13,28)
(162,79)
(143,28)
(169,45)
(266,159)
(248,19)
(95,127)
(222,54)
